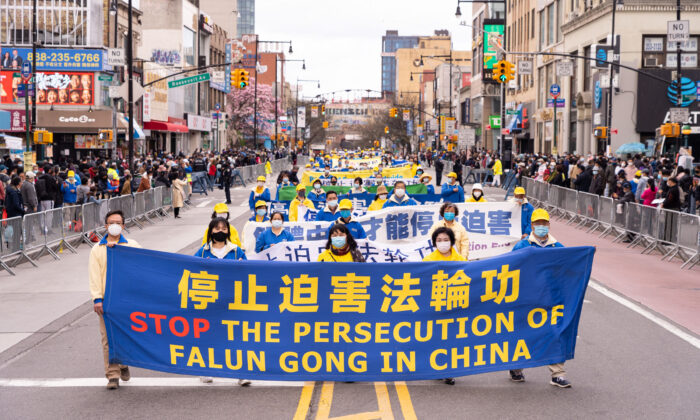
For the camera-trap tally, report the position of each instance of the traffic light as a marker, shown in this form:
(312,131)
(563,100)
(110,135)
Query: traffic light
(323,110)
(498,70)
(601,132)
(243,79)
(509,71)
(105,135)
(671,130)
(386,129)
(503,71)
(393,112)
(43,137)
(235,78)
(325,124)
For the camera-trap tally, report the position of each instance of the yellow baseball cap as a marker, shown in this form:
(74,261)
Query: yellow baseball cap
(221,208)
(638,173)
(71,174)
(345,204)
(308,165)
(260,203)
(261,178)
(452,174)
(301,188)
(540,214)
(519,190)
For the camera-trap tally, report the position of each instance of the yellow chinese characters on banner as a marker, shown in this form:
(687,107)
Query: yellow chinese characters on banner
(400,172)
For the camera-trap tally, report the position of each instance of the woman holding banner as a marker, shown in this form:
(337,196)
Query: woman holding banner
(341,246)
(274,234)
(260,212)
(399,198)
(299,201)
(425,180)
(449,213)
(379,199)
(260,192)
(357,187)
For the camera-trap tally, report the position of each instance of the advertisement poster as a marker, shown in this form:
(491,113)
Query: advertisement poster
(57,88)
(89,141)
(493,38)
(52,59)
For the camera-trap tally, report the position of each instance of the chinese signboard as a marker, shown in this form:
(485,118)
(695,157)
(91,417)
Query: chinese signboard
(52,88)
(156,97)
(198,123)
(53,59)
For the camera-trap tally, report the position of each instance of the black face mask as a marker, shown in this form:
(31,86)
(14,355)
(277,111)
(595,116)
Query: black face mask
(219,236)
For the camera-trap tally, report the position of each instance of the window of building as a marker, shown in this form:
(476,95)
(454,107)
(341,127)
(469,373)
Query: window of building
(532,24)
(587,70)
(550,24)
(543,27)
(658,52)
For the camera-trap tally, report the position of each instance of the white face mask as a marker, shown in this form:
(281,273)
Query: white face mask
(260,184)
(317,186)
(444,246)
(357,185)
(476,194)
(399,192)
(277,223)
(382,196)
(114,229)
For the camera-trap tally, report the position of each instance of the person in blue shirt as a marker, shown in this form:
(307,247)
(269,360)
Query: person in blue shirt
(260,212)
(525,213)
(541,238)
(326,173)
(330,213)
(274,234)
(317,194)
(451,190)
(399,197)
(419,172)
(355,227)
(425,180)
(218,244)
(260,192)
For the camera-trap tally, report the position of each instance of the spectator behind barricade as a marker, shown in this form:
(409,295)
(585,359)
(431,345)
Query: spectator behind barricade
(317,194)
(83,190)
(357,187)
(399,198)
(663,178)
(260,192)
(520,199)
(425,180)
(451,190)
(477,195)
(449,213)
(69,188)
(379,199)
(627,195)
(145,181)
(557,177)
(585,177)
(341,246)
(126,187)
(260,212)
(97,271)
(355,228)
(29,198)
(641,182)
(674,195)
(630,170)
(299,201)
(695,189)
(330,212)
(649,194)
(598,182)
(540,238)
(273,234)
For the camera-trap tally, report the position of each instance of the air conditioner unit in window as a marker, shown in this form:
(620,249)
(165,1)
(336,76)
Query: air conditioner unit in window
(651,62)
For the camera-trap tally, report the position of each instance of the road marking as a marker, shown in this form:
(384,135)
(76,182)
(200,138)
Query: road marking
(405,401)
(304,401)
(690,339)
(203,204)
(143,382)
(383,412)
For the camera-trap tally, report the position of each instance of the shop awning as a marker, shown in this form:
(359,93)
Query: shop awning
(138,131)
(165,126)
(515,119)
(10,142)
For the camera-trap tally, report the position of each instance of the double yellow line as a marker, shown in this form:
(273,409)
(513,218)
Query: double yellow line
(383,412)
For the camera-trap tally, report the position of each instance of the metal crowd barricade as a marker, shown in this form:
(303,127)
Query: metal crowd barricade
(127,207)
(543,193)
(606,216)
(552,201)
(33,238)
(689,239)
(10,241)
(666,234)
(529,193)
(72,226)
(140,212)
(647,228)
(587,209)
(54,233)
(633,220)
(91,222)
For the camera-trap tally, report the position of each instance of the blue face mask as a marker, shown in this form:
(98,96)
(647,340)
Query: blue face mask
(449,216)
(261,212)
(338,241)
(345,213)
(541,231)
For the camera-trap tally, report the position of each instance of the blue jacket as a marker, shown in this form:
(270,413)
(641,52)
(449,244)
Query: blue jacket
(265,219)
(324,177)
(268,238)
(355,228)
(449,195)
(235,253)
(531,241)
(70,192)
(316,197)
(394,202)
(265,196)
(526,218)
(431,189)
(325,215)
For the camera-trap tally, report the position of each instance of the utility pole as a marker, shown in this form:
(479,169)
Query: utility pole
(130,69)
(611,74)
(255,100)
(503,88)
(32,120)
(679,78)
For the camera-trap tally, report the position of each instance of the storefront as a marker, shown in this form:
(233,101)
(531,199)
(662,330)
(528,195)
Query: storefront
(166,136)
(200,131)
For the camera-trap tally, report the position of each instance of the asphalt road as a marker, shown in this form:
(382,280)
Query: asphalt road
(626,366)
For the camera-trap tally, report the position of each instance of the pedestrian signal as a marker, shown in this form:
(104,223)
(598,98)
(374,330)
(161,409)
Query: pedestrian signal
(325,124)
(43,137)
(386,130)
(105,135)
(671,130)
(601,132)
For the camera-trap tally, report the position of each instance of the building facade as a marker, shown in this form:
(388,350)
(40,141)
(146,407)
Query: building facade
(391,42)
(246,17)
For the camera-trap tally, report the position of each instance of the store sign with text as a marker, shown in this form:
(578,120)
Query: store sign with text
(52,59)
(55,88)
(198,123)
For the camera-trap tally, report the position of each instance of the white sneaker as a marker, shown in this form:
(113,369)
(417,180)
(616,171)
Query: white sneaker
(243,382)
(206,379)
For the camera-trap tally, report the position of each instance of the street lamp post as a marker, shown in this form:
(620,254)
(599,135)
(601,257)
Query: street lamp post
(303,67)
(255,95)
(296,106)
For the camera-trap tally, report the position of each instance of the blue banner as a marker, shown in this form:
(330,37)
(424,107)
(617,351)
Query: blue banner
(343,321)
(54,58)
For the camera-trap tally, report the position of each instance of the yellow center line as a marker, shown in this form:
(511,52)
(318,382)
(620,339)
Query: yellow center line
(405,401)
(304,401)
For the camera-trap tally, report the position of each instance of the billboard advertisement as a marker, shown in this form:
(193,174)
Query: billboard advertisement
(57,88)
(493,39)
(52,59)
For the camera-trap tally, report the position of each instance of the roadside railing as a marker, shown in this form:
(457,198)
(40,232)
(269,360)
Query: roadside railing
(671,233)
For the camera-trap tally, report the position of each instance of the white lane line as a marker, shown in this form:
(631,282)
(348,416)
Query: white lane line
(145,382)
(690,339)
(203,204)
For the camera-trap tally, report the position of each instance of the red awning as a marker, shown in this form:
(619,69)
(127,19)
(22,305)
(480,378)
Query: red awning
(165,126)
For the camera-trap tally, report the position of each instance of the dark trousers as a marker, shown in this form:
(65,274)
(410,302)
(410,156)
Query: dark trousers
(438,177)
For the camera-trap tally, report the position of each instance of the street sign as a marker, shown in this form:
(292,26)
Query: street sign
(116,57)
(560,102)
(495,121)
(115,92)
(525,67)
(189,80)
(218,77)
(565,68)
(217,106)
(678,31)
(26,69)
(511,111)
(554,90)
(679,115)
(105,77)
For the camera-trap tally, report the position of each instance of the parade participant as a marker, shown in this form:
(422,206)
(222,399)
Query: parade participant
(334,180)
(317,194)
(425,180)
(526,211)
(330,212)
(477,194)
(355,227)
(260,192)
(97,272)
(379,199)
(299,201)
(221,211)
(451,190)
(497,172)
(341,246)
(274,234)
(419,172)
(399,197)
(444,241)
(357,187)
(449,213)
(326,173)
(541,238)
(260,212)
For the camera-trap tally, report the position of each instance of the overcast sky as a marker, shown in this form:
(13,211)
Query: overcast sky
(342,40)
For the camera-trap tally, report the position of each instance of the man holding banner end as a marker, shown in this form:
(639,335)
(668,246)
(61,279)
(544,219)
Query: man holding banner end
(97,272)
